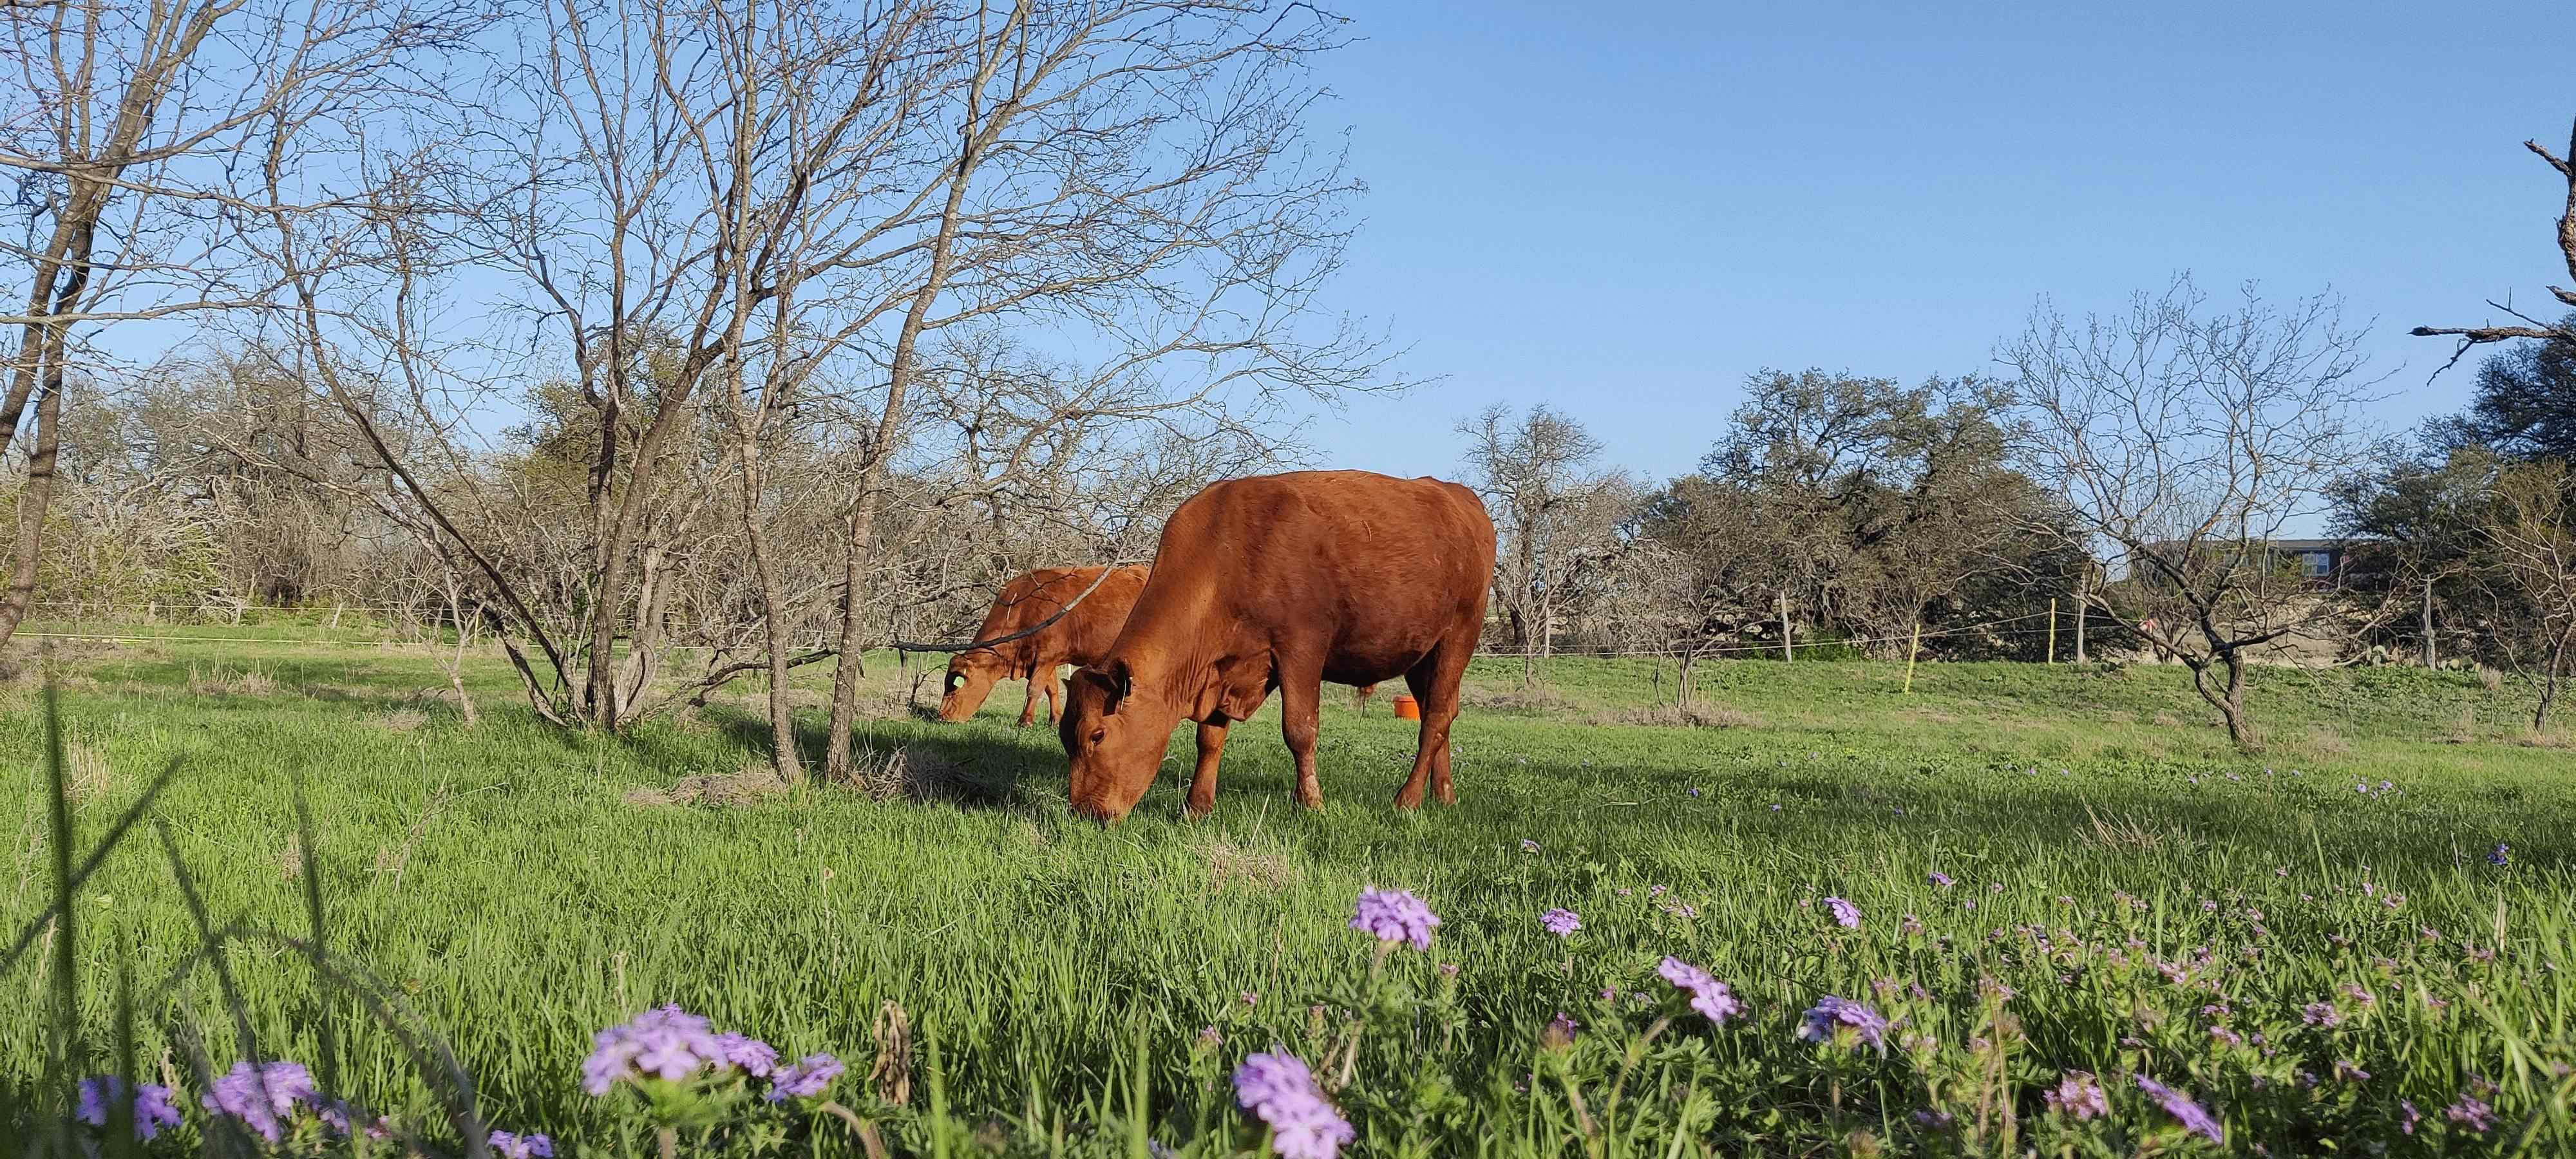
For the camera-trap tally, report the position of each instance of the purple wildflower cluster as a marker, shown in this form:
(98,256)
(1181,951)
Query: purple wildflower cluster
(2080,1095)
(509,1146)
(1560,922)
(268,1097)
(1831,1019)
(672,1045)
(1395,915)
(2188,1113)
(1707,995)
(152,1107)
(1279,1090)
(1846,914)
(805,1079)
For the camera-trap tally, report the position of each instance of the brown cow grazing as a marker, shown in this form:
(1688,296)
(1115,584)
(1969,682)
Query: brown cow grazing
(1285,581)
(1081,637)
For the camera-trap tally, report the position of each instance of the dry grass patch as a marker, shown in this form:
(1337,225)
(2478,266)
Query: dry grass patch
(1667,716)
(225,682)
(755,782)
(1267,870)
(86,771)
(402,720)
(909,773)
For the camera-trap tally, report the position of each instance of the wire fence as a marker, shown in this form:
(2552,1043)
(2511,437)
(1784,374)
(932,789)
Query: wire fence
(410,631)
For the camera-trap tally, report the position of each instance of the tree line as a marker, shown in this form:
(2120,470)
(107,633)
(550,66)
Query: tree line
(660,343)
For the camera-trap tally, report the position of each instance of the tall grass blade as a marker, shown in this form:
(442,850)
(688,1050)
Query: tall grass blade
(28,934)
(325,1028)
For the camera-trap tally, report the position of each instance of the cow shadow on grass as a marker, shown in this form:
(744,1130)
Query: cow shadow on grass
(914,758)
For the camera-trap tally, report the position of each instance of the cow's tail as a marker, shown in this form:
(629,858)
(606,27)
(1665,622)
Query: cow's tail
(1360,696)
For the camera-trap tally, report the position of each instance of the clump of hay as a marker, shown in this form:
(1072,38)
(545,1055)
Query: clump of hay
(402,720)
(755,782)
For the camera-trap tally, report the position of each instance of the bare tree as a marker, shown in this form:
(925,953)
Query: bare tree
(2530,536)
(2185,439)
(120,129)
(1137,173)
(1560,520)
(2564,330)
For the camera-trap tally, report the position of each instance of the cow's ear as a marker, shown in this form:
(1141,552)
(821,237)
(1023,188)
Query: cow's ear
(1113,685)
(1121,683)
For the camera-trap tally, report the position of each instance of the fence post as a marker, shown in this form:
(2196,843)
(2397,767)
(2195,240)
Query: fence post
(2079,620)
(1910,651)
(1787,650)
(2052,629)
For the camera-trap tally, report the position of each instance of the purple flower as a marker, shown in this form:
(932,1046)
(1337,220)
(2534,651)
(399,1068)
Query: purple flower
(2350,1071)
(2472,1113)
(152,1107)
(1846,914)
(755,1057)
(1560,1031)
(1707,995)
(2223,1034)
(1694,793)
(509,1146)
(810,1075)
(1395,915)
(1281,1092)
(1942,880)
(1831,1018)
(1250,999)
(2078,1094)
(2409,1115)
(2187,1112)
(1560,922)
(666,1043)
(263,1097)
(1528,846)
(2500,857)
(2321,1014)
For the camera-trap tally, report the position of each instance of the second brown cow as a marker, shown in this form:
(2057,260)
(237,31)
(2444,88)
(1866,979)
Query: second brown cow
(1083,636)
(1285,581)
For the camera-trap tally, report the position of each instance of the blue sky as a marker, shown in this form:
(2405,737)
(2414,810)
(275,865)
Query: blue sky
(1625,213)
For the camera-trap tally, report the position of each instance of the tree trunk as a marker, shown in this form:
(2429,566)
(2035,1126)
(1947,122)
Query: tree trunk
(773,615)
(2081,613)
(2428,623)
(456,663)
(2549,684)
(880,445)
(2229,700)
(39,495)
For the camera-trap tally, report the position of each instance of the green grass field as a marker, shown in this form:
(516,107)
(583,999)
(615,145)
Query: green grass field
(2124,883)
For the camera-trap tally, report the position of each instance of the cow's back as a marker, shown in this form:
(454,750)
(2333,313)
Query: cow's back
(1373,568)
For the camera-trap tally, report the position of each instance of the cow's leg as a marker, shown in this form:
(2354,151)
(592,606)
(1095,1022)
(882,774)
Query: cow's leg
(1029,707)
(1043,678)
(1301,702)
(1203,782)
(1434,682)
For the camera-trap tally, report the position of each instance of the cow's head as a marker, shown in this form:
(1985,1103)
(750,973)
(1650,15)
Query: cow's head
(970,679)
(1114,731)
